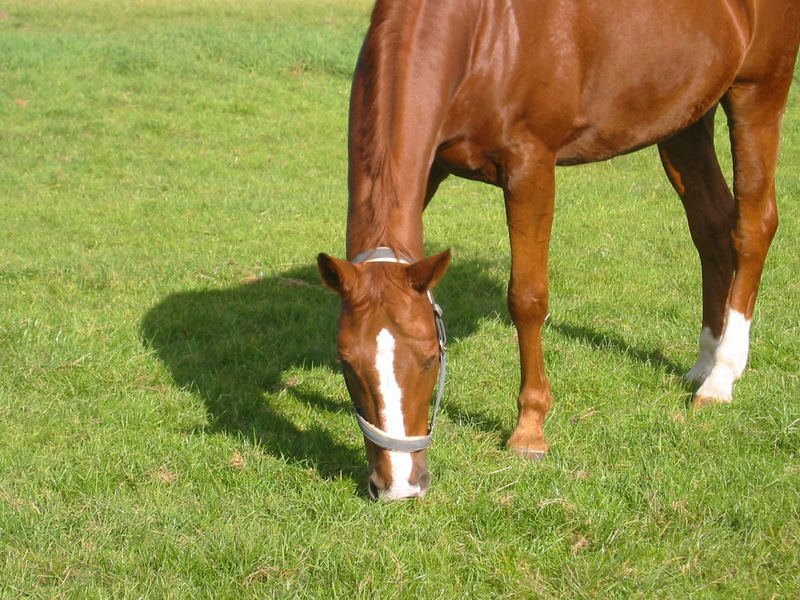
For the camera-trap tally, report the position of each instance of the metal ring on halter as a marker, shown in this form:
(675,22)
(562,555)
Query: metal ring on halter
(413,443)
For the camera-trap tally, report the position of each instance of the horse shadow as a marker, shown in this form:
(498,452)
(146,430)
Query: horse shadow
(607,341)
(236,348)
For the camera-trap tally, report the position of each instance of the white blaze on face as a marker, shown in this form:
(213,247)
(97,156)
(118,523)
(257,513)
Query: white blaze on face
(391,414)
(721,361)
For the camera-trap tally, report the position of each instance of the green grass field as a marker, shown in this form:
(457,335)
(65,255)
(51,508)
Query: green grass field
(172,421)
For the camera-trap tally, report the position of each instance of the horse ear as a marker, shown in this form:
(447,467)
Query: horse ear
(424,274)
(335,273)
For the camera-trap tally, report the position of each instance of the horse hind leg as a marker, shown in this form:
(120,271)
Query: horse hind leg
(690,162)
(754,113)
(754,118)
(754,105)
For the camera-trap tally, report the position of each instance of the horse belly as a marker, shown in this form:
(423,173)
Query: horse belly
(640,116)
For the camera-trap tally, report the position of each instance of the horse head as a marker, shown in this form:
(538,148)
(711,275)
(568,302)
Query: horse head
(391,347)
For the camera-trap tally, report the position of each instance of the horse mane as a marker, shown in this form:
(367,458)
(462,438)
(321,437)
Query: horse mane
(377,61)
(396,59)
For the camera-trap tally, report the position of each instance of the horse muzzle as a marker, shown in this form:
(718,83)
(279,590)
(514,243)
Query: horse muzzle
(400,488)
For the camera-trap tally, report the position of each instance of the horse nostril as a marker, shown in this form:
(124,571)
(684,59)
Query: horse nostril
(424,481)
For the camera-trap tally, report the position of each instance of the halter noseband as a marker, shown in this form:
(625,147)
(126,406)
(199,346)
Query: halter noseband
(413,443)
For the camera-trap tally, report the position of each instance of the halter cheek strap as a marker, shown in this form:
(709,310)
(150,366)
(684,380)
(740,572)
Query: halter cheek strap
(413,443)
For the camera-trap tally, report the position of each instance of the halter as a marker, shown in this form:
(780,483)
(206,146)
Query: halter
(413,443)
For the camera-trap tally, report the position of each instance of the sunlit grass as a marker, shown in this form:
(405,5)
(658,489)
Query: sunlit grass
(172,421)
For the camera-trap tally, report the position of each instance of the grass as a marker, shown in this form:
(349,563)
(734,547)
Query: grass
(172,423)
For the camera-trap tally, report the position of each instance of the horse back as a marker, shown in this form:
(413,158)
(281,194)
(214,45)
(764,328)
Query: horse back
(596,79)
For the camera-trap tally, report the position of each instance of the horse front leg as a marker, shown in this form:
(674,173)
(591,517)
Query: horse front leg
(529,194)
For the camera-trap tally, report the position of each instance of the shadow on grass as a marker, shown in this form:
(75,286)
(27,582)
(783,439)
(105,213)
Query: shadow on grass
(609,341)
(234,348)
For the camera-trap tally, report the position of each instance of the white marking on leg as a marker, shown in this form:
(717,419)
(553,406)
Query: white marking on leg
(391,416)
(705,359)
(730,358)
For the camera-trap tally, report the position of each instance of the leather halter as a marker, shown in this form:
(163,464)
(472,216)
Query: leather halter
(413,443)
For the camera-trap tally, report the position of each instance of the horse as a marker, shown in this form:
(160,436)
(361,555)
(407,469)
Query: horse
(503,91)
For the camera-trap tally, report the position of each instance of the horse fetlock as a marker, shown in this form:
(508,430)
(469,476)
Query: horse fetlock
(717,388)
(705,360)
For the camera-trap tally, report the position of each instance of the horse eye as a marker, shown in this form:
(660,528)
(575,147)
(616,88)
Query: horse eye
(429,363)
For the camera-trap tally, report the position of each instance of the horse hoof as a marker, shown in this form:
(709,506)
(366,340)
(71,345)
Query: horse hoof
(703,401)
(529,453)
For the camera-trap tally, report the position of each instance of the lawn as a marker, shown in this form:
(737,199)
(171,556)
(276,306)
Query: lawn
(172,420)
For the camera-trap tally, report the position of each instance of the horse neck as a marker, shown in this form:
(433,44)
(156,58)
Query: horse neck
(380,213)
(393,132)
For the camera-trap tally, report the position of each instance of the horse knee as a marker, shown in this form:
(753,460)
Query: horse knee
(527,304)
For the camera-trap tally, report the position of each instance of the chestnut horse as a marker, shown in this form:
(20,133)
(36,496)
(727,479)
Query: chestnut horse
(502,91)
